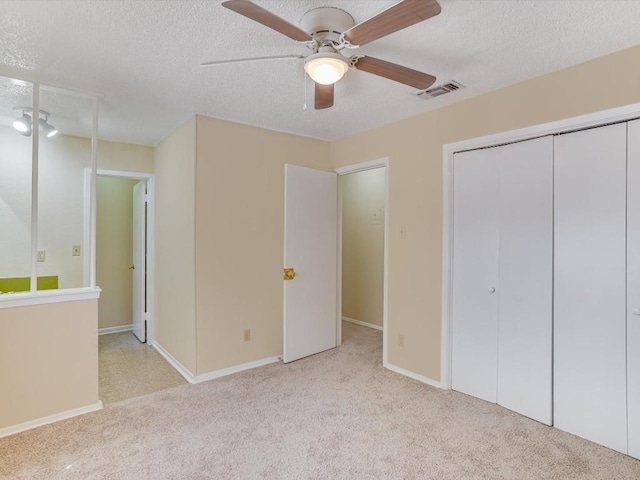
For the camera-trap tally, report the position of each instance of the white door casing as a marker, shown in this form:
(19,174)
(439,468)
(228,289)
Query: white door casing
(525,326)
(475,274)
(139,260)
(633,286)
(310,247)
(590,398)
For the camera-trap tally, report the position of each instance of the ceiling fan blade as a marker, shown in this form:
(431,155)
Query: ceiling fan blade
(397,17)
(252,59)
(266,18)
(324,96)
(395,72)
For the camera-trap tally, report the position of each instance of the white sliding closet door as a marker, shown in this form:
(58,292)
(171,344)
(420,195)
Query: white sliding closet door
(526,278)
(474,354)
(633,286)
(590,398)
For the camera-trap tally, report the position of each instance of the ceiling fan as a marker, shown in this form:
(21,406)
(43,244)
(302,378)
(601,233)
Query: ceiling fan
(330,33)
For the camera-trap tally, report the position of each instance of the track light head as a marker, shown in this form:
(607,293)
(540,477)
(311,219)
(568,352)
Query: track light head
(48,129)
(23,124)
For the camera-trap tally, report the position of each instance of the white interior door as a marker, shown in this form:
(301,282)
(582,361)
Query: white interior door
(474,347)
(590,364)
(526,277)
(139,261)
(311,238)
(633,287)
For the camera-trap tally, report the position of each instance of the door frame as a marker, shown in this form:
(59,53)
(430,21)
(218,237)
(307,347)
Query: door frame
(581,122)
(361,167)
(150,240)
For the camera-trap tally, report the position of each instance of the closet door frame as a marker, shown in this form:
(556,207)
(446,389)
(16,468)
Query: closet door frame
(615,115)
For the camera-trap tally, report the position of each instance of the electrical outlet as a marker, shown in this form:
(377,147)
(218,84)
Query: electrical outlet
(41,255)
(247,335)
(401,340)
(75,250)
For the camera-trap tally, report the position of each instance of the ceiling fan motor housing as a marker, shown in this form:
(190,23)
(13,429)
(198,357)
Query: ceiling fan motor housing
(326,24)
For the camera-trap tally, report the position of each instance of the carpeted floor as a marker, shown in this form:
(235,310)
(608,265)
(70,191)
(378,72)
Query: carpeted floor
(128,368)
(336,415)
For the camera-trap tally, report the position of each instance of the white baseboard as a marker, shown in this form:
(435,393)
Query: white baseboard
(182,370)
(118,329)
(413,375)
(238,368)
(191,378)
(364,324)
(5,432)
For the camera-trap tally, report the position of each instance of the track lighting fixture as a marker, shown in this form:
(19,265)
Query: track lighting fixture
(24,124)
(48,129)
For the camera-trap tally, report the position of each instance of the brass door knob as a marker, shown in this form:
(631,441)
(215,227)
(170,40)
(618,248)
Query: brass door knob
(289,274)
(132,267)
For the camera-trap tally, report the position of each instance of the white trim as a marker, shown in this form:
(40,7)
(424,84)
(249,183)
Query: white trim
(339,266)
(118,329)
(362,324)
(21,427)
(151,259)
(581,122)
(591,120)
(124,174)
(238,368)
(361,167)
(25,299)
(205,377)
(86,228)
(35,143)
(93,195)
(182,370)
(150,199)
(415,376)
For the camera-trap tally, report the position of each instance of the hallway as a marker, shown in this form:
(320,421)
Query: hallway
(128,369)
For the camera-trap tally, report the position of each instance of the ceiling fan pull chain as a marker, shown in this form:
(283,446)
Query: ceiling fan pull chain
(304,106)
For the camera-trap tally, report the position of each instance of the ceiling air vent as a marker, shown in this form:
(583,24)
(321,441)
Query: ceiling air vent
(440,90)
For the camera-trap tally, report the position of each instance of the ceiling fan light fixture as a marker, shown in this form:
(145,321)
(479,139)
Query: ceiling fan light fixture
(326,68)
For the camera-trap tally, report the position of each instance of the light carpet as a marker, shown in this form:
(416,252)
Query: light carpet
(128,368)
(336,415)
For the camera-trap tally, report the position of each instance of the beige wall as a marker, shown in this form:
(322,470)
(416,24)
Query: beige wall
(414,148)
(175,170)
(114,250)
(63,159)
(48,360)
(363,245)
(125,157)
(240,236)
(49,352)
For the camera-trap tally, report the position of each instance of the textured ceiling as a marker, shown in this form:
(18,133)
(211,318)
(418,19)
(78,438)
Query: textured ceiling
(144,57)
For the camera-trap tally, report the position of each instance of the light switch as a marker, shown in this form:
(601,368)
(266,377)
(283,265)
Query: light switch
(41,255)
(75,250)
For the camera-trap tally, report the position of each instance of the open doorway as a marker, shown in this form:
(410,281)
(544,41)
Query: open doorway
(128,367)
(363,246)
(313,258)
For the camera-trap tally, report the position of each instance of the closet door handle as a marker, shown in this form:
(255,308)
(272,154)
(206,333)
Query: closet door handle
(492,289)
(636,311)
